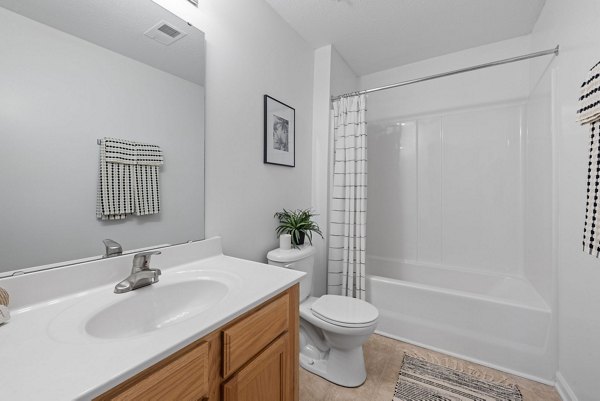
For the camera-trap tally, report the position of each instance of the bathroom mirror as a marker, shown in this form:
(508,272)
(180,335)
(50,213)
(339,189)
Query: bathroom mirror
(74,71)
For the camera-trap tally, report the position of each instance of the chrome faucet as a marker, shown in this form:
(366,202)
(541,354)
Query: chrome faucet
(141,273)
(113,248)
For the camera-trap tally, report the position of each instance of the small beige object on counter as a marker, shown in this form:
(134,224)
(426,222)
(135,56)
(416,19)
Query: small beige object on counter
(4,298)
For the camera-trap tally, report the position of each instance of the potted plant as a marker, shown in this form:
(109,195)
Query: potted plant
(299,224)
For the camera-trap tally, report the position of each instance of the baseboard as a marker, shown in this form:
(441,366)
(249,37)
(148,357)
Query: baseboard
(563,388)
(474,360)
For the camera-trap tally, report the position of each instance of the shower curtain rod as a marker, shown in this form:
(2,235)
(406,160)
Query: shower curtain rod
(446,74)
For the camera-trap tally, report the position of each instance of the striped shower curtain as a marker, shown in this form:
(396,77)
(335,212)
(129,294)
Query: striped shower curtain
(348,203)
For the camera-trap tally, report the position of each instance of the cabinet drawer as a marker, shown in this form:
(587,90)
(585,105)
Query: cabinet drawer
(183,377)
(247,337)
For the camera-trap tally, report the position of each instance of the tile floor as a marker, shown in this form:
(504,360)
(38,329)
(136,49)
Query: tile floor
(383,359)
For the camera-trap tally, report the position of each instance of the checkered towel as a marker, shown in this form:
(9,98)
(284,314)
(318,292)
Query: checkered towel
(128,179)
(589,113)
(589,99)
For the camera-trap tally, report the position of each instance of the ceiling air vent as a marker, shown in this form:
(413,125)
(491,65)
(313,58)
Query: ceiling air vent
(165,33)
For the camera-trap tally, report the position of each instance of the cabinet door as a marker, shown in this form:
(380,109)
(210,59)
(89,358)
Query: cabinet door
(266,378)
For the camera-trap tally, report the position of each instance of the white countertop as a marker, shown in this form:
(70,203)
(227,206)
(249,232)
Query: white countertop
(45,354)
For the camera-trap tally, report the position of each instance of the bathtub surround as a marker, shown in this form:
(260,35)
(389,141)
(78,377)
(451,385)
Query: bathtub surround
(495,321)
(348,203)
(449,222)
(445,189)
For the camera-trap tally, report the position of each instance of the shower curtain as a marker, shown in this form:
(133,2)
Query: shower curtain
(348,199)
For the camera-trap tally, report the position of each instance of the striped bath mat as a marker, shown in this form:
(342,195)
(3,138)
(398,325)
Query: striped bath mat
(420,380)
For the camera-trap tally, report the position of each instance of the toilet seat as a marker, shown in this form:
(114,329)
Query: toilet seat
(344,311)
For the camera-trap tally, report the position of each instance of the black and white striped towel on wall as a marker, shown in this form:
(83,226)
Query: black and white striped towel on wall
(589,113)
(589,97)
(128,180)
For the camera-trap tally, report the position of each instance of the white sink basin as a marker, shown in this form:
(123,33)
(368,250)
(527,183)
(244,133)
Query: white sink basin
(178,297)
(154,307)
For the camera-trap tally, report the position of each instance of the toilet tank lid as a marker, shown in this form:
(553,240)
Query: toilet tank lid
(291,255)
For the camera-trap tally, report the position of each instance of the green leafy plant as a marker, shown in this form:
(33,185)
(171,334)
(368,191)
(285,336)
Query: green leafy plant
(297,223)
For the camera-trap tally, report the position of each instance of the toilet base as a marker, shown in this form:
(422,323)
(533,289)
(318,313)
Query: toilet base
(342,367)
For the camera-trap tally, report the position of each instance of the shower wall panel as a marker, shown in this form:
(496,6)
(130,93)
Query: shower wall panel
(539,176)
(446,189)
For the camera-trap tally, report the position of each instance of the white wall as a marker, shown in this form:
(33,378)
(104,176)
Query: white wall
(320,177)
(343,79)
(251,52)
(573,25)
(331,76)
(487,86)
(58,95)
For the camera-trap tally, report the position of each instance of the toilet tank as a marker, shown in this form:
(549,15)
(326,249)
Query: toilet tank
(302,259)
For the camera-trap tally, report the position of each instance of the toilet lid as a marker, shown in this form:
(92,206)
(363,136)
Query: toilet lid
(344,311)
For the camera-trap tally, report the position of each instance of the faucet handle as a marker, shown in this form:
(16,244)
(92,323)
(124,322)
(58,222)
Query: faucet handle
(142,260)
(112,248)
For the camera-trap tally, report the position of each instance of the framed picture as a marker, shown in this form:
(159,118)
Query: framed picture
(280,133)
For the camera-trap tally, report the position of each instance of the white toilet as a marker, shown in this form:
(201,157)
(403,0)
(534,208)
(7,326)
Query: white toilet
(333,328)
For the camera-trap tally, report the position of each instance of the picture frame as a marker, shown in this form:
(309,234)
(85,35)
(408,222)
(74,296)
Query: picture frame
(280,133)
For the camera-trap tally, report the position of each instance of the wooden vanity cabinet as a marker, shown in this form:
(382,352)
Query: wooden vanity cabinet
(252,358)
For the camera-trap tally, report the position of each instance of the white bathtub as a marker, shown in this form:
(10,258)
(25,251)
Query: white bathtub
(498,321)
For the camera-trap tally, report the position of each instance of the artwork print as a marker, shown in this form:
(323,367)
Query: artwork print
(279,133)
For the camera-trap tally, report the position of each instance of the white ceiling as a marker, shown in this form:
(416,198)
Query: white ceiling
(374,35)
(119,26)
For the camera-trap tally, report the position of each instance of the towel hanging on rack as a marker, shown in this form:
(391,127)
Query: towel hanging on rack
(589,99)
(116,184)
(149,159)
(128,179)
(589,113)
